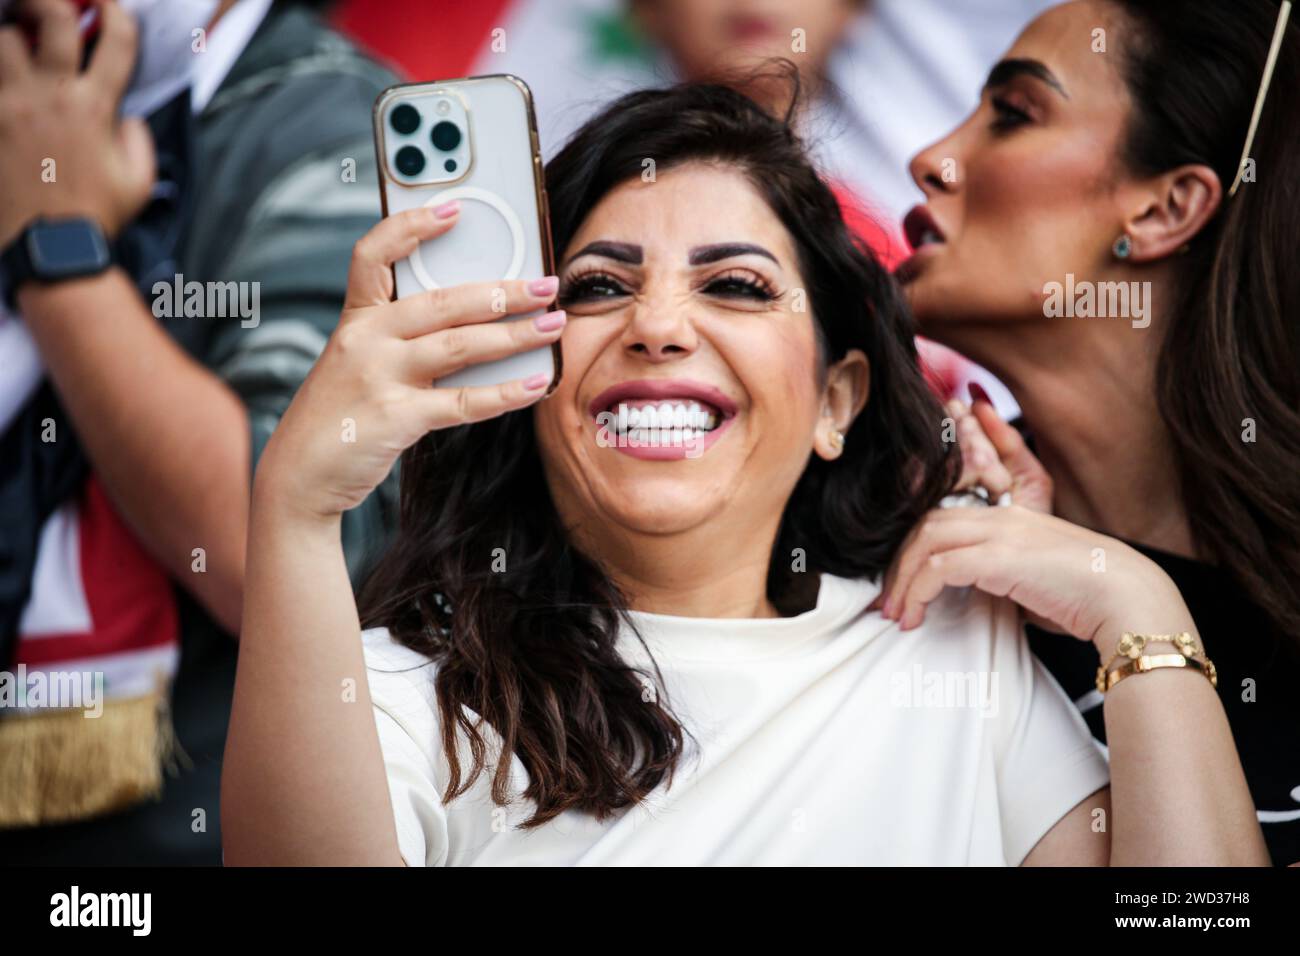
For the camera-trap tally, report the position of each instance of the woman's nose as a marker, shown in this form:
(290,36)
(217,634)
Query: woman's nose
(660,332)
(934,168)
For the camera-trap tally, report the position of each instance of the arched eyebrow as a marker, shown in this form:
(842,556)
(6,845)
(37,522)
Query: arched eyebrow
(703,255)
(1007,70)
(633,254)
(627,252)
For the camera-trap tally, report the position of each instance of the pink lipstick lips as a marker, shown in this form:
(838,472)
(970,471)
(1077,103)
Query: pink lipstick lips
(662,419)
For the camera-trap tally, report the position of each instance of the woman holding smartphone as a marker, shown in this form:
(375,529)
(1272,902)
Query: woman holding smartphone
(634,623)
(1175,425)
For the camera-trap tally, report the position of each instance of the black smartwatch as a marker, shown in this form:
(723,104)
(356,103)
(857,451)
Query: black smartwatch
(51,250)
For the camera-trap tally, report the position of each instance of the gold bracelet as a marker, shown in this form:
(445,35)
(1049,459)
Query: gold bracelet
(1131,647)
(1108,679)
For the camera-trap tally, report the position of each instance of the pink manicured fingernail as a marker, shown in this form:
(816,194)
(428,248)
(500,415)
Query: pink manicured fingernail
(533,382)
(544,286)
(447,209)
(550,321)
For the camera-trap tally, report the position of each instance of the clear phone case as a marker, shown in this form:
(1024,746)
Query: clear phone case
(475,140)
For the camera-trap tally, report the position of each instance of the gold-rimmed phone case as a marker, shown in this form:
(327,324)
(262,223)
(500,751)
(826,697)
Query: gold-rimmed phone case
(472,139)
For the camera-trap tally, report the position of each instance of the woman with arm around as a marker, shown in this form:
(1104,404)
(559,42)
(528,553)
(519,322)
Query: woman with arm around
(641,611)
(1119,248)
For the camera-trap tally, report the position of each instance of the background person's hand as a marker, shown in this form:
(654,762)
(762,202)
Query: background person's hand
(994,456)
(63,150)
(370,395)
(1084,583)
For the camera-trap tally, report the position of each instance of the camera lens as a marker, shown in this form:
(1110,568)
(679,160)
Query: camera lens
(450,165)
(446,136)
(410,161)
(404,118)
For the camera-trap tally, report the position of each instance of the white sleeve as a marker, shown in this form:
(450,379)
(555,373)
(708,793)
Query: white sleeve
(403,704)
(1047,761)
(417,803)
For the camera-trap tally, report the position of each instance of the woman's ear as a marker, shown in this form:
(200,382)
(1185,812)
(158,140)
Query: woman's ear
(847,384)
(1177,207)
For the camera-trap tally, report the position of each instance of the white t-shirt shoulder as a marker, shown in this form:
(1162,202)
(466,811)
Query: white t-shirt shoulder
(829,737)
(405,706)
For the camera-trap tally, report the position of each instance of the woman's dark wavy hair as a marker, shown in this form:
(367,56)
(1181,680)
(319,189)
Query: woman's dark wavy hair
(1233,355)
(530,651)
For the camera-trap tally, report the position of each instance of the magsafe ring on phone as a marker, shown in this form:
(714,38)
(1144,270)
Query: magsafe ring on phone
(472,140)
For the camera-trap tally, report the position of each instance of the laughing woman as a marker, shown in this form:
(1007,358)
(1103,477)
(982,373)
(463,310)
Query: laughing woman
(635,622)
(1175,426)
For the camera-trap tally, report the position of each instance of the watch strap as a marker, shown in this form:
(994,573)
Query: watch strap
(19,265)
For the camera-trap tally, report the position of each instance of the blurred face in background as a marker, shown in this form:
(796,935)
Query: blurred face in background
(1029,188)
(715,39)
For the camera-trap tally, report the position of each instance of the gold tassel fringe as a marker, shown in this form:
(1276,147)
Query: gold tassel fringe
(59,765)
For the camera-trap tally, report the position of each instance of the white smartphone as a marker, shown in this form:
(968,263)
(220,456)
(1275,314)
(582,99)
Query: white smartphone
(475,140)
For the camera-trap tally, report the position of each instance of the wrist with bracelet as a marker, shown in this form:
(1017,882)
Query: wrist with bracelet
(1131,658)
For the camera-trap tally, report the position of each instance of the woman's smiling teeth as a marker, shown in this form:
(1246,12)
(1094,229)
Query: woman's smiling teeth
(661,422)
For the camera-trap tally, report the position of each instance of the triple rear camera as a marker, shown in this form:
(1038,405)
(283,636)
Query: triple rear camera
(445,137)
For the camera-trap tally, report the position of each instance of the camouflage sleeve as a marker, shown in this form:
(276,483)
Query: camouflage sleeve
(296,245)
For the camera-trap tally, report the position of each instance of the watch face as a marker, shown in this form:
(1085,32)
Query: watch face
(69,248)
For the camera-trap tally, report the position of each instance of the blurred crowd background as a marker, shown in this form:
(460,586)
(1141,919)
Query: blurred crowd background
(883,78)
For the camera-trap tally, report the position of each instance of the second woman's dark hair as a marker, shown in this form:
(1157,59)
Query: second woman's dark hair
(529,649)
(1228,377)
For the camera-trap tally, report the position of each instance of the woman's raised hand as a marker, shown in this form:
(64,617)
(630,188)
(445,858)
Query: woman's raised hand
(995,457)
(371,394)
(1078,581)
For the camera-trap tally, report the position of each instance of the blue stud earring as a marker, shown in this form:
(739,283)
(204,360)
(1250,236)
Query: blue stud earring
(1123,247)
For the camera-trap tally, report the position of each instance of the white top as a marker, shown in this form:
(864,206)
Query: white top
(826,738)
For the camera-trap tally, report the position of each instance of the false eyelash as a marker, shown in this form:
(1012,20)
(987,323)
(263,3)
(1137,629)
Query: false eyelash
(578,285)
(1008,116)
(757,288)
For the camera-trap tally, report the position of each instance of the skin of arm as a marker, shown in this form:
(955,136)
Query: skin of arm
(1169,811)
(1171,748)
(301,647)
(168,439)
